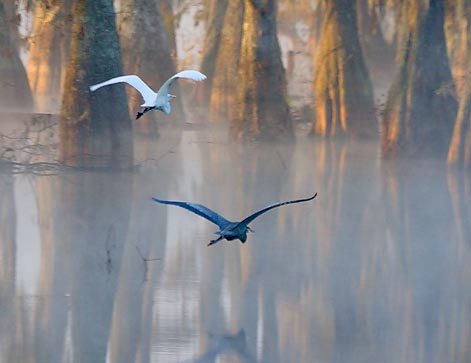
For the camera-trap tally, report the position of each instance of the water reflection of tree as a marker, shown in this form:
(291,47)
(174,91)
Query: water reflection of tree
(95,217)
(232,295)
(325,306)
(236,345)
(457,344)
(50,319)
(376,274)
(253,282)
(418,253)
(8,328)
(132,327)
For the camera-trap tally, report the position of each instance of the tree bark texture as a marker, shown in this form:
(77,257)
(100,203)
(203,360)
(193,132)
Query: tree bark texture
(458,38)
(49,51)
(146,52)
(378,53)
(222,100)
(14,88)
(420,109)
(262,110)
(342,88)
(459,153)
(166,9)
(217,10)
(95,129)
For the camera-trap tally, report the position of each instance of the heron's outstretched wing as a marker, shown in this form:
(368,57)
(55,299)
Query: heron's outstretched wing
(190,74)
(147,93)
(199,209)
(250,218)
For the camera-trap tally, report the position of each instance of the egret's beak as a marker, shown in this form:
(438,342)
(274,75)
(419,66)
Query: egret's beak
(173,96)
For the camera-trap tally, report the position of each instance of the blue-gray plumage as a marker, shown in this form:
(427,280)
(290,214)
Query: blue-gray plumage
(227,230)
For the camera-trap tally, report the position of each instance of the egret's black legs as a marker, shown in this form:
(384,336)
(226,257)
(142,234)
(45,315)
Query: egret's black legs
(215,240)
(147,109)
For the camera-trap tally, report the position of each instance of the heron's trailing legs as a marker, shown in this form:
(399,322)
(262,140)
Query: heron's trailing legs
(147,109)
(215,240)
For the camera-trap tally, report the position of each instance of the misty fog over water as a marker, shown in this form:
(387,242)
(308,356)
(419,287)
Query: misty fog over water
(375,269)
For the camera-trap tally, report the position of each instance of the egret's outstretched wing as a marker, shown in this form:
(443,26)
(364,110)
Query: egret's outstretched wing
(199,209)
(189,74)
(146,92)
(250,218)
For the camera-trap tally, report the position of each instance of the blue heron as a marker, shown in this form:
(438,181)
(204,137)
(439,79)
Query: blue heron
(227,230)
(153,101)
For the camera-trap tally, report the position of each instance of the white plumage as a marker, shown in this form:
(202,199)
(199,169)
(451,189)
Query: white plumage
(153,100)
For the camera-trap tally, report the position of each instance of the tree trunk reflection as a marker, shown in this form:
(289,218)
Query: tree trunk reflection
(96,219)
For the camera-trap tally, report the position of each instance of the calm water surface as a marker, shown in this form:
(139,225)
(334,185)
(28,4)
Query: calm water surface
(376,269)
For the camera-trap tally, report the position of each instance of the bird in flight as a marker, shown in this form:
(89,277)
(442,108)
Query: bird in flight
(228,230)
(153,101)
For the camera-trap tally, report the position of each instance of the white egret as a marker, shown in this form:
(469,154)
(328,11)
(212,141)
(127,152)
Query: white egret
(227,230)
(153,101)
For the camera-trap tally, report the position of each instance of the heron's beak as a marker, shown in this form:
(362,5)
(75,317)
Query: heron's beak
(173,96)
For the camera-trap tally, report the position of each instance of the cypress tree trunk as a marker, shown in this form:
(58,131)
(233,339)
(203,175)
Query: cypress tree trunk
(420,109)
(166,9)
(14,88)
(262,111)
(11,13)
(212,43)
(146,52)
(457,33)
(222,100)
(95,210)
(342,87)
(95,130)
(378,54)
(315,29)
(459,153)
(49,50)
